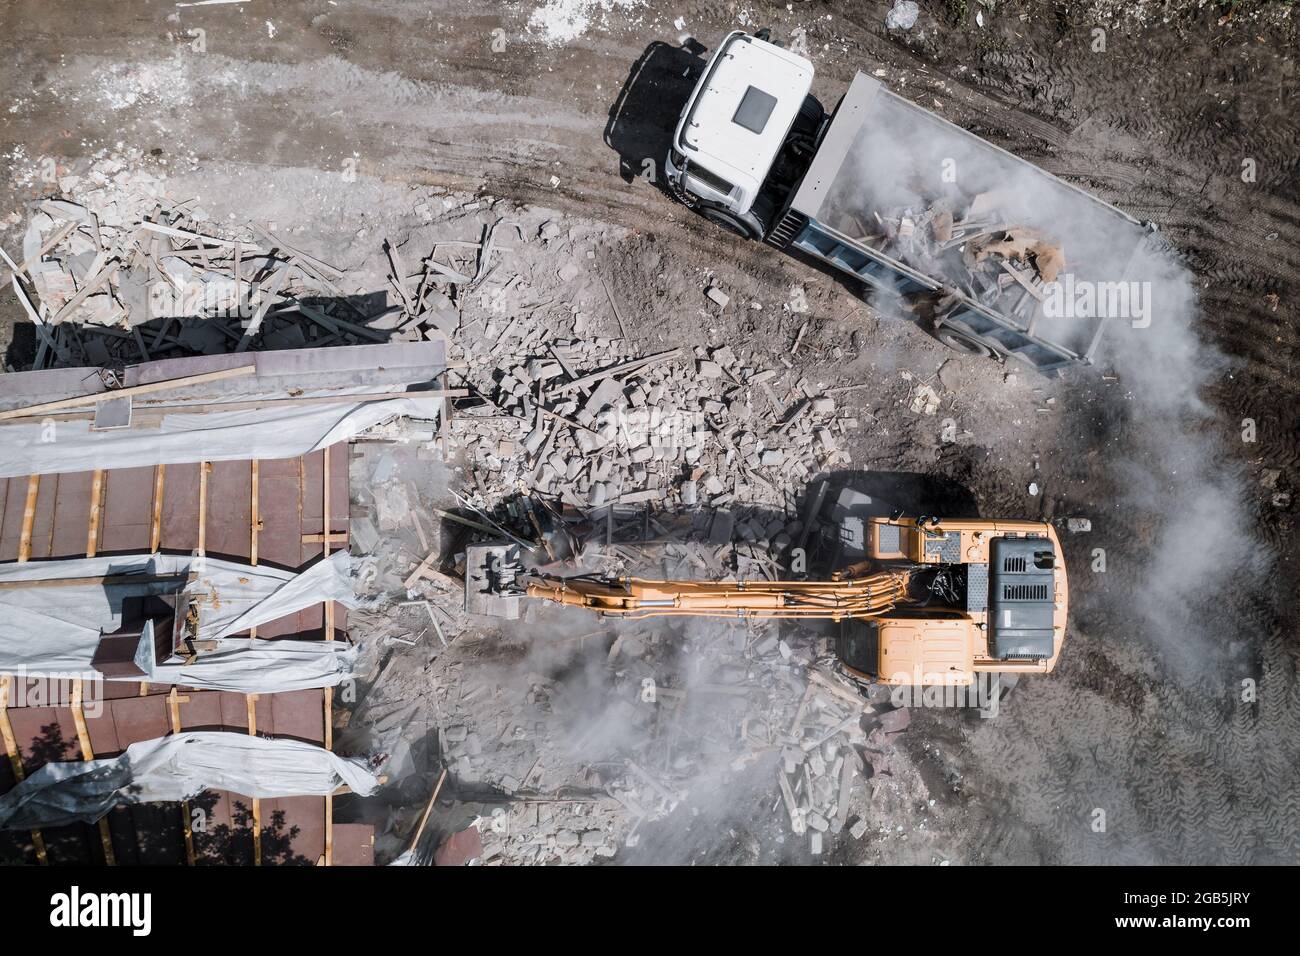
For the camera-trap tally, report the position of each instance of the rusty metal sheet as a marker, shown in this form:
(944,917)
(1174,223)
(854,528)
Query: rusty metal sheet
(128,510)
(180,511)
(354,844)
(299,714)
(230,503)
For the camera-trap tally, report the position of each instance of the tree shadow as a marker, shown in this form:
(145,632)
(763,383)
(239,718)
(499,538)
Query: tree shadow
(149,834)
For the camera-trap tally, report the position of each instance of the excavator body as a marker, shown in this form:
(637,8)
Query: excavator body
(930,602)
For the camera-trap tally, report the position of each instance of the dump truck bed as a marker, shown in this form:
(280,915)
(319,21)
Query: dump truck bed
(893,185)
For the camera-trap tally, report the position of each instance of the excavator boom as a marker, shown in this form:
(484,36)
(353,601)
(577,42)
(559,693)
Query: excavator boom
(839,600)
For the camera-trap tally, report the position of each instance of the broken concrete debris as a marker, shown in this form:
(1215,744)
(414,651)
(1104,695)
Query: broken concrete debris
(903,15)
(600,424)
(128,275)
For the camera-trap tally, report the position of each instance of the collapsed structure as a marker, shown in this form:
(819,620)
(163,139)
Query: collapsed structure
(175,590)
(576,443)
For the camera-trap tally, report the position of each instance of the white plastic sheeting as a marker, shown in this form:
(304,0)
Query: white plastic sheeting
(60,447)
(54,631)
(253,666)
(177,768)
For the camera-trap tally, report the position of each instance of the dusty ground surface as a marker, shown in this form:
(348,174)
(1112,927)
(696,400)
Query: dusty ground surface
(1176,705)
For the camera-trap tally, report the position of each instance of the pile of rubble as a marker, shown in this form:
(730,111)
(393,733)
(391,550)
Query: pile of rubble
(827,753)
(124,274)
(683,740)
(588,422)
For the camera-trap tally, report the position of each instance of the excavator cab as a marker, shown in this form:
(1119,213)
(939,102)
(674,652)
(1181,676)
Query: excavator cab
(986,596)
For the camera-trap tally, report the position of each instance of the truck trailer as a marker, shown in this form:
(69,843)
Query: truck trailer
(917,208)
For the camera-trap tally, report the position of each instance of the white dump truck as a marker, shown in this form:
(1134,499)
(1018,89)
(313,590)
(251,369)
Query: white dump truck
(917,208)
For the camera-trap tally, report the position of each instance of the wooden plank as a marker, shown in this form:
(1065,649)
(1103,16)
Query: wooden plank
(204,468)
(199,237)
(132,390)
(16,758)
(623,368)
(255,521)
(174,701)
(38,319)
(334,537)
(96,506)
(39,254)
(155,522)
(424,817)
(29,518)
(88,753)
(312,261)
(178,577)
(152,412)
(250,701)
(100,279)
(255,526)
(420,569)
(614,305)
(269,297)
(329,636)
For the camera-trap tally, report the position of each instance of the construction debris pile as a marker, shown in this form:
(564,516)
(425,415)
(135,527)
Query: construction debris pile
(827,753)
(984,254)
(125,275)
(588,422)
(598,733)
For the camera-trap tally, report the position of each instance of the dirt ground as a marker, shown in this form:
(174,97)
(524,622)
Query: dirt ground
(1176,705)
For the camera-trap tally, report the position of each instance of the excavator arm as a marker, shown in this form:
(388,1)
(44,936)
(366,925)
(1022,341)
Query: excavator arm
(865,597)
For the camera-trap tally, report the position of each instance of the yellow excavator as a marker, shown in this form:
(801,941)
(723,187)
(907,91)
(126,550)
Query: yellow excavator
(933,602)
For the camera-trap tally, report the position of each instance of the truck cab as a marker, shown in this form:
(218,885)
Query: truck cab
(734,128)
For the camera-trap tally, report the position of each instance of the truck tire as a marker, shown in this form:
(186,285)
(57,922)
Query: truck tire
(963,341)
(811,112)
(729,221)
